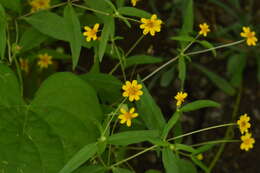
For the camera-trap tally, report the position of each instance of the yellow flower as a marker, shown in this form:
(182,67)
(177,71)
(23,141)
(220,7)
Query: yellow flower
(247,142)
(199,156)
(39,5)
(44,60)
(151,25)
(249,35)
(180,97)
(24,65)
(126,116)
(132,90)
(204,29)
(91,33)
(243,123)
(134,2)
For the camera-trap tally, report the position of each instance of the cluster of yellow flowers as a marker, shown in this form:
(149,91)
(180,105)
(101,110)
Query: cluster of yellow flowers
(132,91)
(39,5)
(247,139)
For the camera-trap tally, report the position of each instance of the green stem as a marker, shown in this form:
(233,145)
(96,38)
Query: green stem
(134,45)
(229,131)
(93,10)
(215,142)
(214,48)
(133,156)
(201,130)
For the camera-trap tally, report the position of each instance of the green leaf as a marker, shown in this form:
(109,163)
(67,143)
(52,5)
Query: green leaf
(107,31)
(107,86)
(170,161)
(75,37)
(184,148)
(203,149)
(30,39)
(208,45)
(121,170)
(198,105)
(170,124)
(131,11)
(14,5)
(149,111)
(41,136)
(188,17)
(142,59)
(186,166)
(200,164)
(167,77)
(182,38)
(79,158)
(49,24)
(131,137)
(2,32)
(91,169)
(220,82)
(182,70)
(235,67)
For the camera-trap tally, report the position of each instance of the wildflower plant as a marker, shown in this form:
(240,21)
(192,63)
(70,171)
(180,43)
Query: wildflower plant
(86,118)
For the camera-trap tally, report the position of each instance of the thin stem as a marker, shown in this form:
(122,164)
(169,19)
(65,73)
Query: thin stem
(133,156)
(134,45)
(214,48)
(201,130)
(228,131)
(113,115)
(214,142)
(120,61)
(161,67)
(109,147)
(93,10)
(189,45)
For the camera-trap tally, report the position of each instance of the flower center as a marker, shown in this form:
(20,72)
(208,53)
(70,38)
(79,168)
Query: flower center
(247,141)
(128,116)
(133,91)
(150,24)
(243,124)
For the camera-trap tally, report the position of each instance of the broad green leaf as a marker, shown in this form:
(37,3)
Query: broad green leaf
(170,161)
(99,5)
(107,31)
(173,120)
(150,113)
(220,82)
(182,70)
(208,45)
(107,86)
(131,137)
(200,164)
(2,32)
(79,158)
(75,37)
(72,100)
(41,136)
(131,11)
(186,166)
(198,105)
(182,38)
(49,24)
(121,170)
(30,39)
(235,67)
(14,5)
(142,59)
